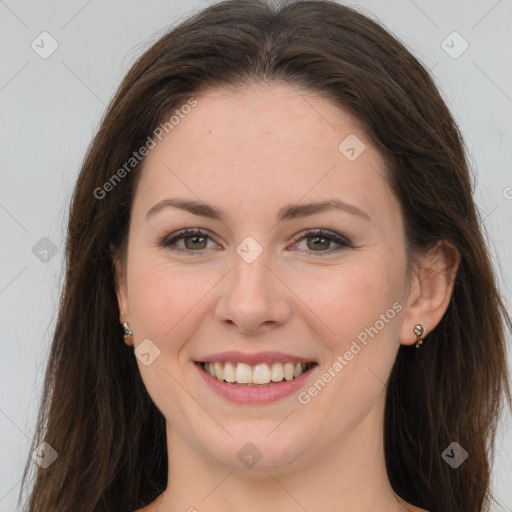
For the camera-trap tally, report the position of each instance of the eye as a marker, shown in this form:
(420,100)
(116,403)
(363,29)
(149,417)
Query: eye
(195,241)
(321,239)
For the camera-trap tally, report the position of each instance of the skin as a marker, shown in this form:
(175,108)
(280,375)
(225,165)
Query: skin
(249,153)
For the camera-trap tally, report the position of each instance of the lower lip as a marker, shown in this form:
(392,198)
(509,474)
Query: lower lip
(254,394)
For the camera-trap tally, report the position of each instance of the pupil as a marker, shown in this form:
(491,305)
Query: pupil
(195,238)
(320,238)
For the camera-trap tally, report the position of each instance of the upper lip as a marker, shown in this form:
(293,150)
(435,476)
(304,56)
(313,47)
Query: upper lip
(256,358)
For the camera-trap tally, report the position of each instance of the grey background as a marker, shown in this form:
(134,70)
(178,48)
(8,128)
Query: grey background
(50,109)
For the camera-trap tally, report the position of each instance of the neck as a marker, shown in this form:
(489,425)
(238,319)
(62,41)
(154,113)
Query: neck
(346,476)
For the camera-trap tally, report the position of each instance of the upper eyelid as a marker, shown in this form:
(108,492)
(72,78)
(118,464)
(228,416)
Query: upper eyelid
(186,232)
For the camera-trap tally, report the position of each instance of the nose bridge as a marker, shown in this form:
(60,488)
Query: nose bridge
(251,277)
(252,294)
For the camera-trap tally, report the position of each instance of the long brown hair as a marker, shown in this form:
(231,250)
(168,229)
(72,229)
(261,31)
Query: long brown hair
(96,412)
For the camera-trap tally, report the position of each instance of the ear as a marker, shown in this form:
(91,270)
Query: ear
(430,291)
(121,289)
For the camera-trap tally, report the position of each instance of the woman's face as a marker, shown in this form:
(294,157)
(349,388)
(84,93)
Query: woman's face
(258,281)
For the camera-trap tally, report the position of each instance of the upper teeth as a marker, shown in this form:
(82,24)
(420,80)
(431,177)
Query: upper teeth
(243,373)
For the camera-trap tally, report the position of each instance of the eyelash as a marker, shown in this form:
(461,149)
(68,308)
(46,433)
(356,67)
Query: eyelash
(167,241)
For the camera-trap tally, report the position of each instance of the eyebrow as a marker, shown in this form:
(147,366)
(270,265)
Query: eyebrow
(287,212)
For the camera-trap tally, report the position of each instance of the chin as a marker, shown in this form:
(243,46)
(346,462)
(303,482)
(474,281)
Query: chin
(258,451)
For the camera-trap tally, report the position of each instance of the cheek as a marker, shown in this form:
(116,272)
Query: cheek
(163,297)
(166,301)
(348,300)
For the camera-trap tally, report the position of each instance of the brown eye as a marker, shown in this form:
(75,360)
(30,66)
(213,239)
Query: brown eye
(318,241)
(195,241)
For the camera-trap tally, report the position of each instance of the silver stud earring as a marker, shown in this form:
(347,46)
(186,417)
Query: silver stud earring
(419,330)
(127,330)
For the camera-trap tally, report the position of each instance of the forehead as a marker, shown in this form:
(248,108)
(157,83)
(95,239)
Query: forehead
(265,144)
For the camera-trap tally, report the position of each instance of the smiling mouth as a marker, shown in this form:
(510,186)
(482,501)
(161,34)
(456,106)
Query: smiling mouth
(258,375)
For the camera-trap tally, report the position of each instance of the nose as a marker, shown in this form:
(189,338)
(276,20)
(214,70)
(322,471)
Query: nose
(253,296)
